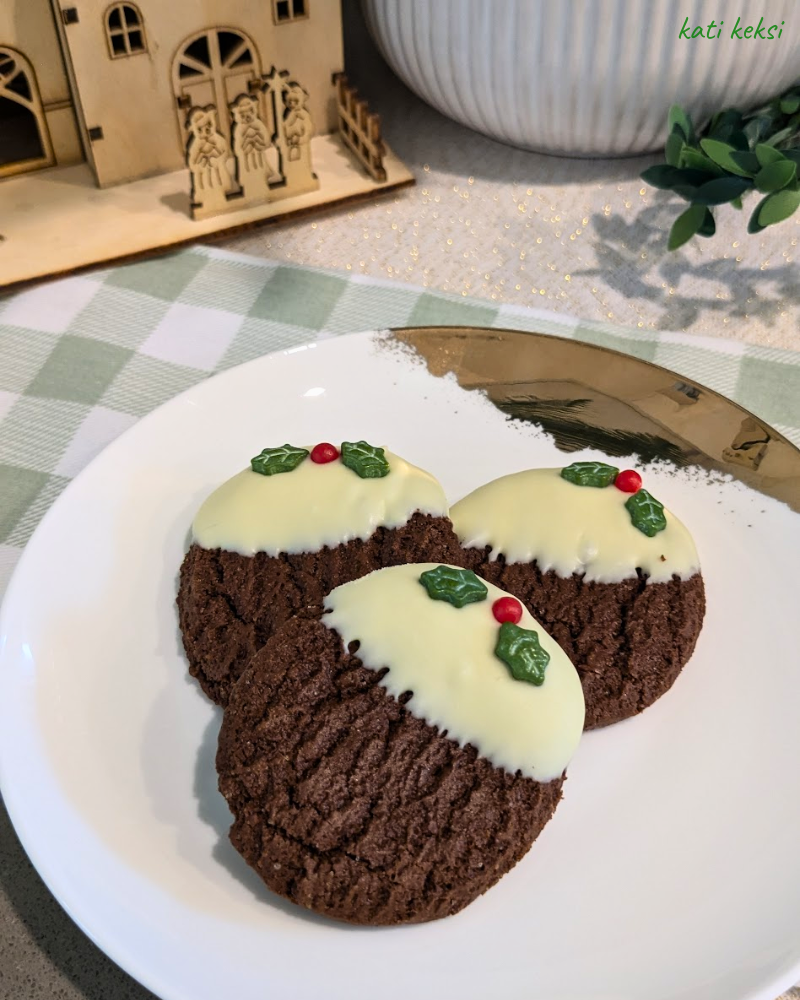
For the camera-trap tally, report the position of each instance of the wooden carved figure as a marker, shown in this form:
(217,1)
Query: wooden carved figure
(297,131)
(250,144)
(207,155)
(297,126)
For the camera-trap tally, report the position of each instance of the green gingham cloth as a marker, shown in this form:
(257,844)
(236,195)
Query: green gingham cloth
(82,358)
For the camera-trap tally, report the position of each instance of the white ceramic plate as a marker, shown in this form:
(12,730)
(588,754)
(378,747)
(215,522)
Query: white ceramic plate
(671,869)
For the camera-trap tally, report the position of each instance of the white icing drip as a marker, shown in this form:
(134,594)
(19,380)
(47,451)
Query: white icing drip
(538,515)
(445,655)
(312,506)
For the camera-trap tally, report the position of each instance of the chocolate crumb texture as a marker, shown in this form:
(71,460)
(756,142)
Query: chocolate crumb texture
(628,640)
(229,604)
(348,804)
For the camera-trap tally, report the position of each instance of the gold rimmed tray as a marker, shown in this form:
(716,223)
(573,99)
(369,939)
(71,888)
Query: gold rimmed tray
(587,396)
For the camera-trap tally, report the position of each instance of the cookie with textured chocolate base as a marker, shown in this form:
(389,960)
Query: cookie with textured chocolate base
(611,574)
(280,535)
(382,763)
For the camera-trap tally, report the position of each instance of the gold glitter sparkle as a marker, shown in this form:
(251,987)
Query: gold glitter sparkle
(564,235)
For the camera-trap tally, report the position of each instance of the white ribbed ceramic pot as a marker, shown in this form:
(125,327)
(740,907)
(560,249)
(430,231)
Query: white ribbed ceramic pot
(583,77)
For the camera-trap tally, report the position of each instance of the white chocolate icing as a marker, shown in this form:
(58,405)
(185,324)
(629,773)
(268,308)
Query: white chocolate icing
(445,655)
(570,529)
(312,506)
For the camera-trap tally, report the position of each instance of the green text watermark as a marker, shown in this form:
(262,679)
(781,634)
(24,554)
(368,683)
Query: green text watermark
(740,30)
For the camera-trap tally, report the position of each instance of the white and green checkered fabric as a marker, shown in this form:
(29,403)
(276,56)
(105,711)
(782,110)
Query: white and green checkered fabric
(82,358)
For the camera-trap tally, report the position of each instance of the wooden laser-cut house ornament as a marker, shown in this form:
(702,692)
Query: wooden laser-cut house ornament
(207,107)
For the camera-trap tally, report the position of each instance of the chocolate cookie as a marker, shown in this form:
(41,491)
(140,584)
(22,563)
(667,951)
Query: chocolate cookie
(628,640)
(345,800)
(280,535)
(230,604)
(615,581)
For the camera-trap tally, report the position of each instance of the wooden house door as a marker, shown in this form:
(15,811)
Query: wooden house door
(213,67)
(24,138)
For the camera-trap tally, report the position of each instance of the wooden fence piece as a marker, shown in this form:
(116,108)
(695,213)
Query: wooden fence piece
(360,128)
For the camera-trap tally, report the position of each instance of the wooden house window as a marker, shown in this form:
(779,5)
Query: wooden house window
(213,67)
(284,11)
(24,139)
(125,30)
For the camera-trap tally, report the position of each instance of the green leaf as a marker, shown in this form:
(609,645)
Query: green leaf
(709,227)
(677,116)
(747,161)
(724,124)
(756,129)
(777,207)
(695,159)
(590,474)
(784,133)
(272,461)
(754,226)
(677,179)
(647,514)
(738,140)
(456,586)
(722,134)
(732,135)
(686,225)
(775,176)
(766,154)
(721,190)
(732,156)
(731,117)
(722,153)
(691,180)
(673,149)
(661,176)
(364,459)
(521,652)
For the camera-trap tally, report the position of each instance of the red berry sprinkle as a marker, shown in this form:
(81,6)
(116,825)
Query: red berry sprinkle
(324,453)
(629,481)
(507,609)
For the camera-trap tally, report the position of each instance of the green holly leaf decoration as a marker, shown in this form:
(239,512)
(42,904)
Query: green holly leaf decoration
(519,649)
(456,586)
(364,459)
(590,474)
(271,461)
(647,514)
